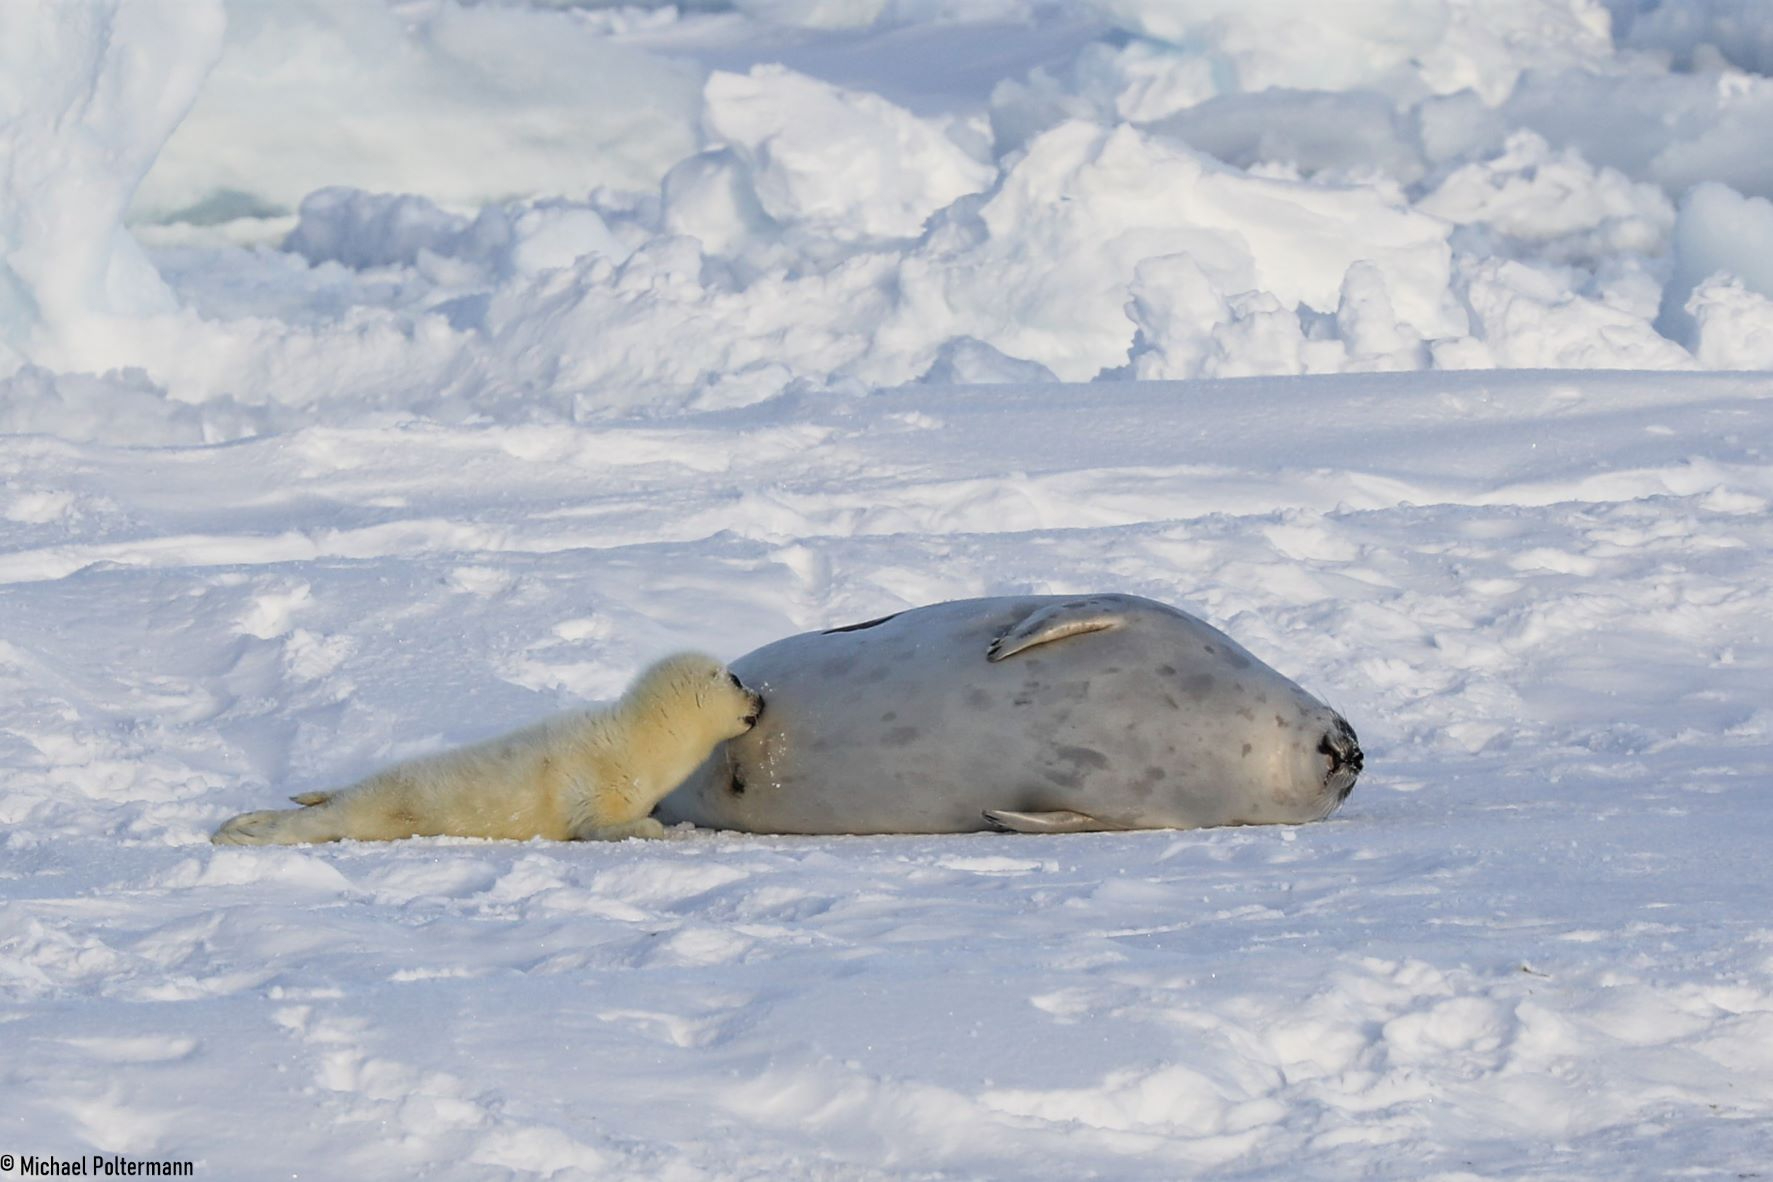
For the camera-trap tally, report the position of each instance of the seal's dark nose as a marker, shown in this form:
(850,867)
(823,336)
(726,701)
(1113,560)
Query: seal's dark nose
(1346,760)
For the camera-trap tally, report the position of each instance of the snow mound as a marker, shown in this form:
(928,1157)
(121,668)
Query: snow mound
(1737,31)
(844,164)
(1676,130)
(1718,232)
(465,104)
(660,217)
(1554,203)
(1400,46)
(1732,325)
(92,92)
(1079,212)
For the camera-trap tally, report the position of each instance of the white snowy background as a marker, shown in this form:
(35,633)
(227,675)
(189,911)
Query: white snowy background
(375,377)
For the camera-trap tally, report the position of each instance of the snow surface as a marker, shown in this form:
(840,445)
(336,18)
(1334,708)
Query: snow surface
(375,378)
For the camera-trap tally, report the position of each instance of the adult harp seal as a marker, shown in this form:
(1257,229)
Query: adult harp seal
(1048,714)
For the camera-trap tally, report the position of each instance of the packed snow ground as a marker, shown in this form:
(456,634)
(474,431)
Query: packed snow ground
(378,378)
(1534,943)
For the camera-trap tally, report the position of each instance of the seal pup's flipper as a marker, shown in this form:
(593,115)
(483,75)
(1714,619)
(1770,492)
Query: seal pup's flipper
(1074,617)
(310,799)
(1058,821)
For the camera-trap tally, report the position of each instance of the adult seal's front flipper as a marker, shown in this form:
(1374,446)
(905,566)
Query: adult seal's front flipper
(1058,821)
(1074,617)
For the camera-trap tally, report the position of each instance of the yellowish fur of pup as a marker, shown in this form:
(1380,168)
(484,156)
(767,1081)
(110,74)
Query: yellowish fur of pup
(592,774)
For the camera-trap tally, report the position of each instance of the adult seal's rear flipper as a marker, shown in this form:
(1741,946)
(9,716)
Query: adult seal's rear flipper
(1074,617)
(1058,821)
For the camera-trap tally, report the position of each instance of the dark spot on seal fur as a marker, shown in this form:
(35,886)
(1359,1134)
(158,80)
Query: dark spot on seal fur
(1232,657)
(736,785)
(1199,685)
(837,666)
(1062,777)
(1021,700)
(978,699)
(1146,784)
(1172,703)
(1247,750)
(864,624)
(1167,670)
(901,735)
(889,716)
(1083,757)
(1281,722)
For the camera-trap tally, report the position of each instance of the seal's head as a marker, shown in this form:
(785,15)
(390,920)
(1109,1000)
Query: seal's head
(754,708)
(700,692)
(1302,761)
(1342,753)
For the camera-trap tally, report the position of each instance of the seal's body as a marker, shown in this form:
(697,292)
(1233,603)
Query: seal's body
(593,774)
(1035,714)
